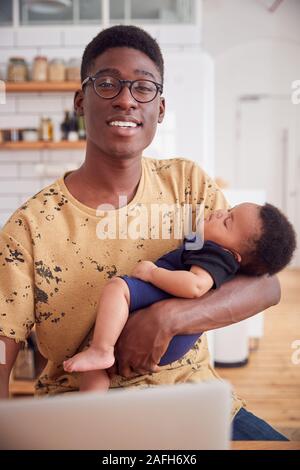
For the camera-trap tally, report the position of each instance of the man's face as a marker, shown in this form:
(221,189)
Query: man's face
(122,142)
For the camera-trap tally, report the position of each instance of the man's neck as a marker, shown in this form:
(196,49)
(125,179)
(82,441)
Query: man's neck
(101,180)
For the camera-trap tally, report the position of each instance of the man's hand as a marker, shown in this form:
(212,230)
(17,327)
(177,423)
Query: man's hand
(143,341)
(143,270)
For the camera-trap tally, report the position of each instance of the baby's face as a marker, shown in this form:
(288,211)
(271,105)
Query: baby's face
(232,228)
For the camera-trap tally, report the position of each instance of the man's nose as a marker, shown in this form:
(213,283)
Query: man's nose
(124,99)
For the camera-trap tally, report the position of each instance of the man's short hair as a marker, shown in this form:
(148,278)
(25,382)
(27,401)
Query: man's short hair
(273,250)
(122,36)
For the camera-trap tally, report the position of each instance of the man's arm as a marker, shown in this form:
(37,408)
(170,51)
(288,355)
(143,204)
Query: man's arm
(147,333)
(11,349)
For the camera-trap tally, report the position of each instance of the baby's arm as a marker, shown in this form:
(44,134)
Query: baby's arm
(187,284)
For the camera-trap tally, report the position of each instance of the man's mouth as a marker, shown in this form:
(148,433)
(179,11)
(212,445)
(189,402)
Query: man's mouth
(124,124)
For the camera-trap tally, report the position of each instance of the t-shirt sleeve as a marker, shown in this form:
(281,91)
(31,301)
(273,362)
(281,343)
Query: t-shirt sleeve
(206,190)
(219,263)
(16,289)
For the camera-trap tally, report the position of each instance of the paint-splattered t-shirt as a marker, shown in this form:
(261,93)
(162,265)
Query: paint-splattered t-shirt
(56,255)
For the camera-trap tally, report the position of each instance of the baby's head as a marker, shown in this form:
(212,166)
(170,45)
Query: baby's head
(261,237)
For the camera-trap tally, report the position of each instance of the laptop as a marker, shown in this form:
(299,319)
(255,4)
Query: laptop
(186,416)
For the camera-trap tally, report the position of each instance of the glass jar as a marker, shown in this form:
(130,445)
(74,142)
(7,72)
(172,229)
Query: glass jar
(17,70)
(40,69)
(73,70)
(56,70)
(30,135)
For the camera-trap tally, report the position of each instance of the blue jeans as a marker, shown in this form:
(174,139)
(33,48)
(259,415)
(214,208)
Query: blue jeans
(248,427)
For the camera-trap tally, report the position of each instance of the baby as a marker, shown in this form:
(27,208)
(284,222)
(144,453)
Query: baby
(249,238)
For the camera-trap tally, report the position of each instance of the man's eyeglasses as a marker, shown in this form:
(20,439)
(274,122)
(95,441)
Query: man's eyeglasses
(142,91)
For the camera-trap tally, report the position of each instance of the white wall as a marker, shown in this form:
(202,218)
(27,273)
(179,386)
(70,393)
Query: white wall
(229,23)
(188,127)
(260,67)
(255,52)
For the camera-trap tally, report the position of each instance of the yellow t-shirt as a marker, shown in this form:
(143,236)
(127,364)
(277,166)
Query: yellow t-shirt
(56,254)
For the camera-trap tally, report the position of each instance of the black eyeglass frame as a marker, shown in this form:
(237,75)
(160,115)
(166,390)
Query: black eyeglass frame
(129,83)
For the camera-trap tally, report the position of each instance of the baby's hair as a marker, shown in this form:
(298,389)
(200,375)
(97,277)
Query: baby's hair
(122,36)
(273,250)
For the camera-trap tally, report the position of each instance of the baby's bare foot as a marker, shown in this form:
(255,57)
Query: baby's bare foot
(91,359)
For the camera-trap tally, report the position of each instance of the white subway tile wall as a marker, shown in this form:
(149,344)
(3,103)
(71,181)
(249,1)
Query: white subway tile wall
(24,173)
(29,37)
(7,37)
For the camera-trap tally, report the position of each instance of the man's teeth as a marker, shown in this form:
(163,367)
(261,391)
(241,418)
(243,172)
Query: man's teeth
(123,124)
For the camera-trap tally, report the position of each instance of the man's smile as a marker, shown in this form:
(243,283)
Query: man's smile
(124,121)
(124,125)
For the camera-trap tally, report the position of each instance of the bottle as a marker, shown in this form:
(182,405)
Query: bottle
(65,126)
(50,129)
(81,128)
(73,129)
(24,367)
(46,129)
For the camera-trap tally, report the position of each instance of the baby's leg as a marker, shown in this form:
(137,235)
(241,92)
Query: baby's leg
(94,381)
(112,314)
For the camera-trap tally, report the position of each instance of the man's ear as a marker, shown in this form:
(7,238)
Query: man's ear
(162,109)
(78,102)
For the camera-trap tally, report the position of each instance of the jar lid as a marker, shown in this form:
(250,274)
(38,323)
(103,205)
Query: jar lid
(57,60)
(74,60)
(17,58)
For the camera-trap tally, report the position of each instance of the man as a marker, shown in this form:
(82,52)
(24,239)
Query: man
(55,256)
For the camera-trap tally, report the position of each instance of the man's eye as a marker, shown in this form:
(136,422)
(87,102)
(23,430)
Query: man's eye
(143,89)
(106,85)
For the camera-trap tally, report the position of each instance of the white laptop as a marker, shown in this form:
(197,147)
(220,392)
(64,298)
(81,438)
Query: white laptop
(188,416)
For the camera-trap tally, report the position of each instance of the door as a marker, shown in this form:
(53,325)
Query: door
(268,152)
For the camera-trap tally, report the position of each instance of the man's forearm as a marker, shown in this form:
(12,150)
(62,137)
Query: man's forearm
(234,301)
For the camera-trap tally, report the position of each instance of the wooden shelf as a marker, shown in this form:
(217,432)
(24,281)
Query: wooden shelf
(31,87)
(63,145)
(21,387)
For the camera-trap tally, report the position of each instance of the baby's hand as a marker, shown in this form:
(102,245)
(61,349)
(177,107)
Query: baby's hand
(143,270)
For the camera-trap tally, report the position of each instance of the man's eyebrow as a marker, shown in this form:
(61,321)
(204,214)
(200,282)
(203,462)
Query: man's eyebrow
(144,72)
(117,72)
(108,70)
